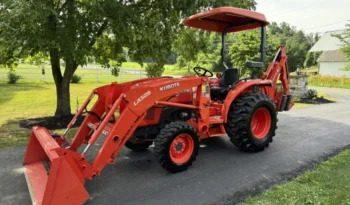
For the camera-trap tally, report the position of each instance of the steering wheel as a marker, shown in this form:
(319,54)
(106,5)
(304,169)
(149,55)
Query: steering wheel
(202,71)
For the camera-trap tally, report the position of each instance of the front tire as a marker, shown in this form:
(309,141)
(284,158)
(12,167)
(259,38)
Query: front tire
(176,146)
(252,122)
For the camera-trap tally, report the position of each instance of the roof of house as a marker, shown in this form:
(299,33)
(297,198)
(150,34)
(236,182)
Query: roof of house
(331,56)
(327,42)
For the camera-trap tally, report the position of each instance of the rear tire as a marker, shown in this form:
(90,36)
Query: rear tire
(252,122)
(138,147)
(176,146)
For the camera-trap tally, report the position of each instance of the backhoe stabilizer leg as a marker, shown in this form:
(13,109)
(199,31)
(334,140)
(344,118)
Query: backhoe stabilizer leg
(288,102)
(283,103)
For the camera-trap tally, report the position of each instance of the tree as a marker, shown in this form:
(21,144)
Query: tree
(73,30)
(311,58)
(345,48)
(345,39)
(213,56)
(201,48)
(296,42)
(38,59)
(297,47)
(154,70)
(247,47)
(188,45)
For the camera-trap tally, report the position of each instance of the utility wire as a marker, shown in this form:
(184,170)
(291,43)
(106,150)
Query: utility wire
(266,2)
(285,38)
(325,25)
(297,9)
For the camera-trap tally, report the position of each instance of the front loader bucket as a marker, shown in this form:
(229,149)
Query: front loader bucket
(51,178)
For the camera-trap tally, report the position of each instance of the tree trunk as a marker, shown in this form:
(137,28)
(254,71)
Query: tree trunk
(189,68)
(63,99)
(62,83)
(63,91)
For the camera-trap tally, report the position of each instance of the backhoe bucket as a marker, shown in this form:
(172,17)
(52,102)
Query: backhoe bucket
(51,178)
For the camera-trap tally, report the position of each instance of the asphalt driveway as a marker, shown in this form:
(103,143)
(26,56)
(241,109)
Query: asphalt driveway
(221,171)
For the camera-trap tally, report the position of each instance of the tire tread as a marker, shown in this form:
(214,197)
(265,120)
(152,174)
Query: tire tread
(162,143)
(238,118)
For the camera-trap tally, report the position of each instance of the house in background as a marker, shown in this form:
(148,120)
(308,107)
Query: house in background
(331,60)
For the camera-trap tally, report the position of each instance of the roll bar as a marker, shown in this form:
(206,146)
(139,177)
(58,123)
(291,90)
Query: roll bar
(263,45)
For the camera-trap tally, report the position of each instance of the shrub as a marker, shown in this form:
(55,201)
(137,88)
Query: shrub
(347,68)
(312,93)
(115,71)
(75,78)
(154,70)
(12,77)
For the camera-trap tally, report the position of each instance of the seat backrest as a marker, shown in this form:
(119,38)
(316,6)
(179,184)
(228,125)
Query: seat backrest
(229,77)
(254,64)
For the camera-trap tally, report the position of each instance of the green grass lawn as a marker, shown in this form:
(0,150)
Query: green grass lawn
(31,100)
(174,70)
(329,183)
(299,105)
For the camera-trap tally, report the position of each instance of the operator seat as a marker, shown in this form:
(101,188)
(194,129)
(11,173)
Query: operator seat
(228,79)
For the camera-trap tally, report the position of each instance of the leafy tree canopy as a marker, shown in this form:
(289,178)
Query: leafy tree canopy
(189,44)
(73,30)
(296,42)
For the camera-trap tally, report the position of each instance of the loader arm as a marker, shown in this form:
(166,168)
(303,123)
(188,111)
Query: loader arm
(107,95)
(52,164)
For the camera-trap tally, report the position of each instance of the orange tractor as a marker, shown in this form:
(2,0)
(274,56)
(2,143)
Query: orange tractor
(174,114)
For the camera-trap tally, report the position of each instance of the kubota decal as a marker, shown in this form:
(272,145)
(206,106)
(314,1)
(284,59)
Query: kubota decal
(142,97)
(170,86)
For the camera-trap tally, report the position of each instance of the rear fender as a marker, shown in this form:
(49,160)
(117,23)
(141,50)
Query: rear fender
(241,88)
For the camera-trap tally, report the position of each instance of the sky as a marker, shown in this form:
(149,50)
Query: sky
(312,16)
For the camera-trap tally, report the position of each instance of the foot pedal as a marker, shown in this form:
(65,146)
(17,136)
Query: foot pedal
(283,103)
(289,100)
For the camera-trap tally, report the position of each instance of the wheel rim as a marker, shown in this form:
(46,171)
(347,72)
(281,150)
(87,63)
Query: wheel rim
(261,123)
(181,148)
